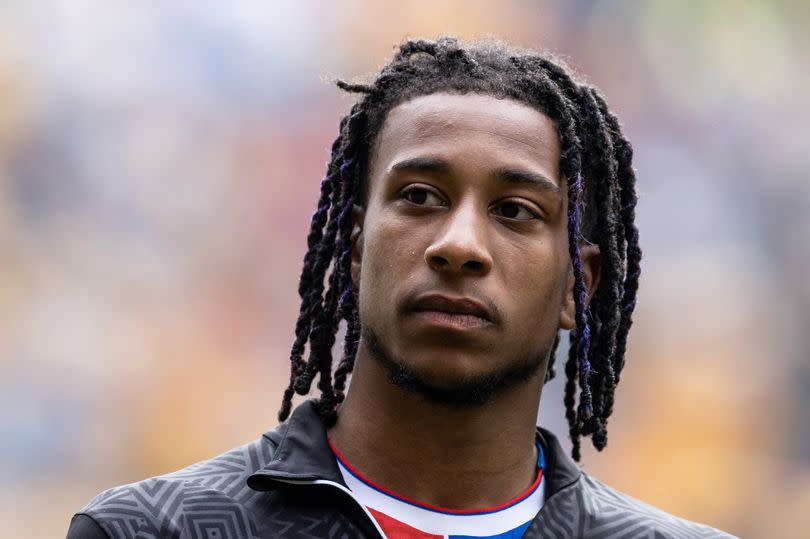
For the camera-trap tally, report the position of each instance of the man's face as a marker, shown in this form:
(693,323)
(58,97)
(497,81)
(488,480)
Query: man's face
(462,264)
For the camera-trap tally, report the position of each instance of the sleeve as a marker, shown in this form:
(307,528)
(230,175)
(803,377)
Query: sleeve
(85,527)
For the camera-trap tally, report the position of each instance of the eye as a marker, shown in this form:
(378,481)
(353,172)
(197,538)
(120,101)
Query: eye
(421,196)
(515,211)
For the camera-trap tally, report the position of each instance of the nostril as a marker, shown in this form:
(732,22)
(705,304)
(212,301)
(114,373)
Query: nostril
(439,261)
(474,265)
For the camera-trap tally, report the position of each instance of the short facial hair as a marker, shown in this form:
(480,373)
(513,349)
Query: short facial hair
(468,393)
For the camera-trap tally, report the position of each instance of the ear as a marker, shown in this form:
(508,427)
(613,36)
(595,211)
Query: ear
(358,218)
(591,270)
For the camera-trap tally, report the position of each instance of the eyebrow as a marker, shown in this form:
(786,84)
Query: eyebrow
(422,164)
(437,165)
(525,177)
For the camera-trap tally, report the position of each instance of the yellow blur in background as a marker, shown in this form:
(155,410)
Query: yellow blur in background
(159,163)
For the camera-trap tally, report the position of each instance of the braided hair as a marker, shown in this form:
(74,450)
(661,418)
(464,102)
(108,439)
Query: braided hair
(596,160)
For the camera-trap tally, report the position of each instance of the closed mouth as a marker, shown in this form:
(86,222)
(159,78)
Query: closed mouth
(454,311)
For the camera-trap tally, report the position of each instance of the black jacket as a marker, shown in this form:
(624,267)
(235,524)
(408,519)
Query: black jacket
(287,484)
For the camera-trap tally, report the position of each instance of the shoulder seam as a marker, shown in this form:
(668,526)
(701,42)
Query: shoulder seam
(95,521)
(643,510)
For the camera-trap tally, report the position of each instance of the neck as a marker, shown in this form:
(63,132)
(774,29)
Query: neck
(458,458)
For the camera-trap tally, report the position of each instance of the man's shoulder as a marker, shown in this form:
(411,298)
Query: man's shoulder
(579,505)
(611,512)
(211,494)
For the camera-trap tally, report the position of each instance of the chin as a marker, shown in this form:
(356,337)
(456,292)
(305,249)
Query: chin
(451,378)
(445,368)
(462,389)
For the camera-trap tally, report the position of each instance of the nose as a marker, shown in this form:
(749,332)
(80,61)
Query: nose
(461,245)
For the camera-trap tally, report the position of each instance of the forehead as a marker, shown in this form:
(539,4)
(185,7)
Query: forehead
(503,129)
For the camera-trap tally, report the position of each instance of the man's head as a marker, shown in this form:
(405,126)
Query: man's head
(484,182)
(464,212)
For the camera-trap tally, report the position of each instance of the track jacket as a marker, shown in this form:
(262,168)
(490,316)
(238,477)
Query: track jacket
(287,484)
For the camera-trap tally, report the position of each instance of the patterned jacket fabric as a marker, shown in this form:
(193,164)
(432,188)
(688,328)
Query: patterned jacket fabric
(287,484)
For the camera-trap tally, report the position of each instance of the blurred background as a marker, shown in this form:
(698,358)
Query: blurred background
(159,162)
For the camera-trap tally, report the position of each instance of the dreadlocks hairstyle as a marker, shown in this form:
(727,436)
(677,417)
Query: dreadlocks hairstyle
(596,160)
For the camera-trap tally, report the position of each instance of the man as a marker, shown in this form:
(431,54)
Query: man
(478,201)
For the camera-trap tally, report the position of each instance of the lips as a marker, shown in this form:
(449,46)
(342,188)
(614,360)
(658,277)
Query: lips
(462,312)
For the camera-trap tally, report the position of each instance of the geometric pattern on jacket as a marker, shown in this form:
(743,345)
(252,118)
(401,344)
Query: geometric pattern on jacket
(286,484)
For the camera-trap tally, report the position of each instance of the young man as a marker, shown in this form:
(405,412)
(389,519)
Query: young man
(478,201)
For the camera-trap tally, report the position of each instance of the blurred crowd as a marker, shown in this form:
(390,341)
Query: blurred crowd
(159,163)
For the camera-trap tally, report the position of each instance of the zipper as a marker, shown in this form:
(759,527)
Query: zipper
(341,488)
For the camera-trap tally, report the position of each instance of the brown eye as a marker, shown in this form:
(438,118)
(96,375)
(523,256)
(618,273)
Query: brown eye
(417,196)
(421,197)
(516,211)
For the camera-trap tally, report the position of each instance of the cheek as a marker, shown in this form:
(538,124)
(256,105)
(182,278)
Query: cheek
(389,254)
(374,270)
(369,274)
(536,289)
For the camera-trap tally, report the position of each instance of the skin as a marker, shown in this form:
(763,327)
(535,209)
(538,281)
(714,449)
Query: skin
(440,217)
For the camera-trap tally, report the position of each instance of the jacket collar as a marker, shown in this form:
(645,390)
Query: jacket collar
(302,453)
(561,470)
